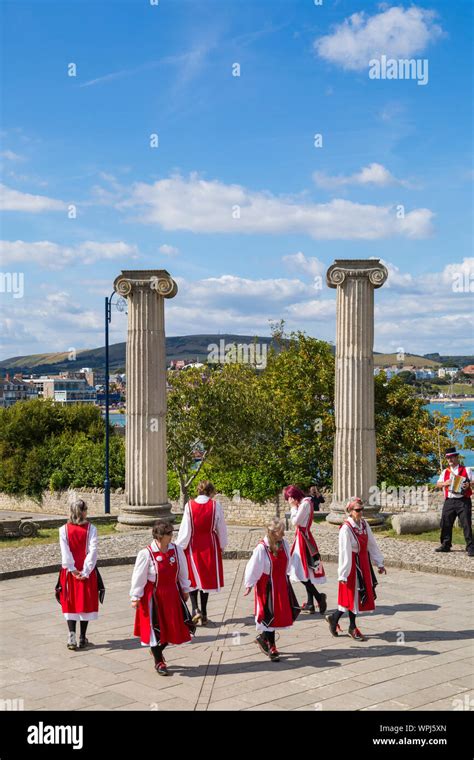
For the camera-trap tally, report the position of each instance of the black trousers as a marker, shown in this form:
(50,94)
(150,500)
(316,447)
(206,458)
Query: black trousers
(453,508)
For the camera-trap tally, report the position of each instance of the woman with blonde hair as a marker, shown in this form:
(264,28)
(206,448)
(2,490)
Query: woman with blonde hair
(79,585)
(357,581)
(203,535)
(267,571)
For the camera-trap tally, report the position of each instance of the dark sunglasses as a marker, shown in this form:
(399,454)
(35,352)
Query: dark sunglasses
(168,533)
(359,509)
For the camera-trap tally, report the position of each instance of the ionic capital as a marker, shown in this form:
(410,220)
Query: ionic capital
(344,269)
(158,280)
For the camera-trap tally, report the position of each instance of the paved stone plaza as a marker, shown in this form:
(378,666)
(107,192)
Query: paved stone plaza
(419,654)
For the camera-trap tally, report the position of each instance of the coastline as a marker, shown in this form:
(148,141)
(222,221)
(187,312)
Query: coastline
(458,399)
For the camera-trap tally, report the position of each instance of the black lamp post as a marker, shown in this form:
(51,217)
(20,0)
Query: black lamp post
(120,305)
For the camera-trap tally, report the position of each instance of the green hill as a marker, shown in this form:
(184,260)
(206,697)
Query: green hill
(188,347)
(387,360)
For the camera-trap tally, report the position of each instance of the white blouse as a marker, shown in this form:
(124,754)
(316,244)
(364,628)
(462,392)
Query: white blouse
(259,563)
(144,570)
(348,544)
(67,559)
(184,533)
(300,515)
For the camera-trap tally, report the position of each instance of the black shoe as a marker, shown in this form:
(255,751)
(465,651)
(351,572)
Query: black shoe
(333,626)
(274,654)
(161,668)
(356,634)
(307,607)
(322,604)
(470,552)
(443,549)
(263,644)
(83,642)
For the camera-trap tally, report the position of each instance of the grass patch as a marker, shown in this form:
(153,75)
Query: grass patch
(51,535)
(48,536)
(457,389)
(431,535)
(317,518)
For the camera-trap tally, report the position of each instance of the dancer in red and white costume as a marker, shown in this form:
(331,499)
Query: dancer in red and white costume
(306,565)
(267,570)
(357,581)
(78,587)
(203,535)
(159,591)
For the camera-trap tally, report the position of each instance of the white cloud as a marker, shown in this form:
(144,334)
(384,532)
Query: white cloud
(14,200)
(421,313)
(169,250)
(56,323)
(464,270)
(320,309)
(396,278)
(231,290)
(395,32)
(188,65)
(54,256)
(10,155)
(299,262)
(198,205)
(374,174)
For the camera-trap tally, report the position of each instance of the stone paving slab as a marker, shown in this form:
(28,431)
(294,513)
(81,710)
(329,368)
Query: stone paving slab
(419,655)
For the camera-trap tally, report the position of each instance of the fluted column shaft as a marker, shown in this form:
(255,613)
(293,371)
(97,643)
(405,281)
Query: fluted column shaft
(354,465)
(146,465)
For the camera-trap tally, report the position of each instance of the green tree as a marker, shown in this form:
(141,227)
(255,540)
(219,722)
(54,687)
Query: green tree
(46,445)
(210,413)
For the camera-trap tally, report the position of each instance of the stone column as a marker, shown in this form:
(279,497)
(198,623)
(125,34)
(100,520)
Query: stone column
(145,465)
(355,465)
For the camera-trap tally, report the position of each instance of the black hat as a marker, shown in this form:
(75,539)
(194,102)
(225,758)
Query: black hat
(451,452)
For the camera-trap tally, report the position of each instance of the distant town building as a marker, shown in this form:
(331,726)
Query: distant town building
(69,390)
(421,373)
(448,371)
(424,374)
(469,370)
(16,389)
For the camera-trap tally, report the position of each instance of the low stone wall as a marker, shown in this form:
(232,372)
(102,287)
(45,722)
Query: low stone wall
(245,512)
(238,511)
(57,502)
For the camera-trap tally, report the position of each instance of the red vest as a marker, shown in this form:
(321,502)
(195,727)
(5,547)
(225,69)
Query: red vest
(447,476)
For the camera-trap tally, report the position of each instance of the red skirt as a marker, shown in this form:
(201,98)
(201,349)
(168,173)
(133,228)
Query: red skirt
(168,620)
(77,596)
(347,591)
(272,602)
(205,556)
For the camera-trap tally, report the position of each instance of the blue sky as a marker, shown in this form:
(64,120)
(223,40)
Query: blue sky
(167,69)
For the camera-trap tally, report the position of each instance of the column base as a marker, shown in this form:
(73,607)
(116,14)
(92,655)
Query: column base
(338,514)
(143,516)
